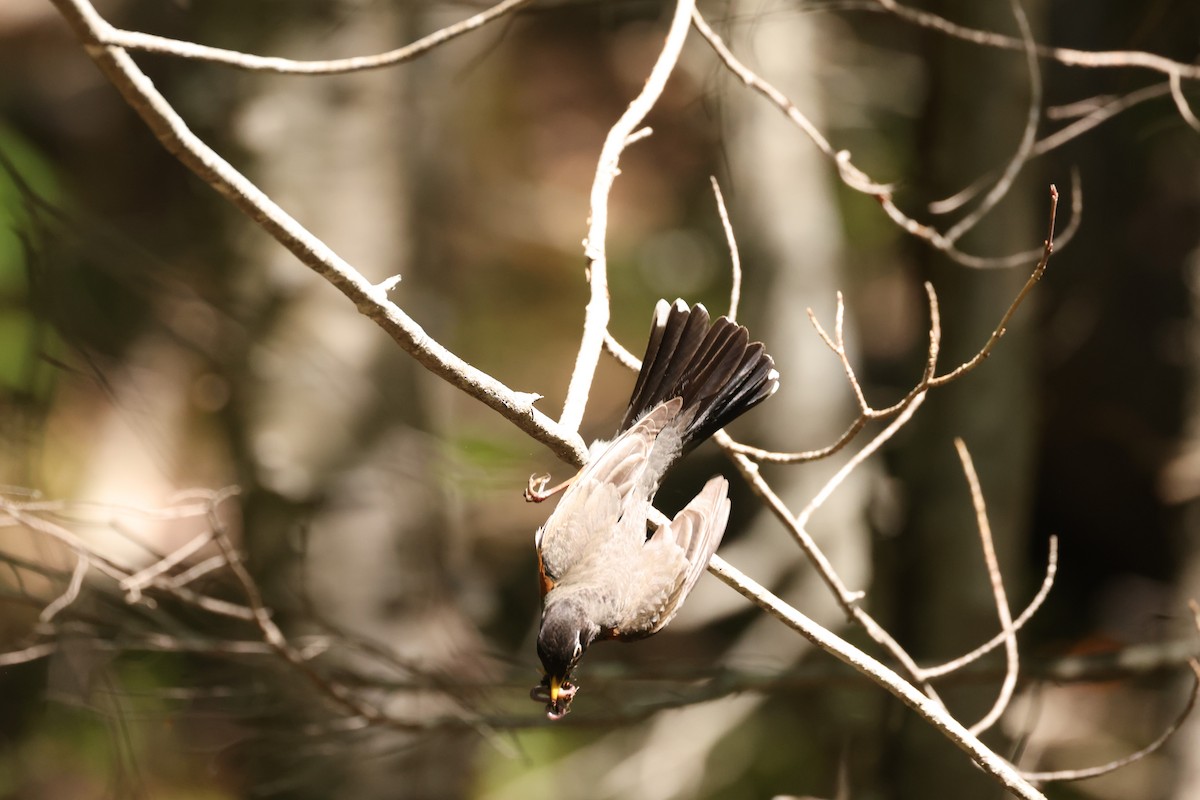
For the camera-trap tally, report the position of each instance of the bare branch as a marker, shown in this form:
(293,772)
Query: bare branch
(866,412)
(796,525)
(596,316)
(27,654)
(274,637)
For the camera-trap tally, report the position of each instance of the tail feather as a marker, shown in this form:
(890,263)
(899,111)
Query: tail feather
(715,369)
(681,342)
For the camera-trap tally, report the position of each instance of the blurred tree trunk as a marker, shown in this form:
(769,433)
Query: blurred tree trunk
(335,414)
(976,108)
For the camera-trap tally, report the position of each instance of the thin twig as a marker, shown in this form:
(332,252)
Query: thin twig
(596,315)
(148,43)
(1001,329)
(1063,55)
(26,654)
(735,259)
(275,638)
(1007,628)
(1181,102)
(1024,150)
(866,412)
(796,526)
(134,584)
(1113,766)
(66,598)
(1018,623)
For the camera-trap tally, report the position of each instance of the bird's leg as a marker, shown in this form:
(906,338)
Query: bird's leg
(536,491)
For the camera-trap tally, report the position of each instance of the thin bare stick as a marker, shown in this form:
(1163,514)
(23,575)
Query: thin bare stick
(134,584)
(1113,766)
(1024,150)
(1181,102)
(999,331)
(173,133)
(862,455)
(1012,658)
(66,598)
(596,316)
(27,654)
(1064,55)
(1018,623)
(1100,114)
(199,570)
(735,259)
(928,380)
(933,712)
(148,43)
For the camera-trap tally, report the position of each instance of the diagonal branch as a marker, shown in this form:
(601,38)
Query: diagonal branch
(933,712)
(173,133)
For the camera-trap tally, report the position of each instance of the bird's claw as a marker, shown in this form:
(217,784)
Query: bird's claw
(536,491)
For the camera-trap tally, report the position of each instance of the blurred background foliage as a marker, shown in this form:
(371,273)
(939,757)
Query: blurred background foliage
(152,340)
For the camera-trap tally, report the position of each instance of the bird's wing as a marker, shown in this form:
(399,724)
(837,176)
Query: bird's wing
(605,506)
(673,560)
(635,461)
(572,530)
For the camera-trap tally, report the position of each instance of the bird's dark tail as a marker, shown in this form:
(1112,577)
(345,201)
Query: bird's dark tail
(716,369)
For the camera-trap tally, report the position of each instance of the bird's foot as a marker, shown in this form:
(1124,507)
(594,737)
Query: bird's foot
(536,491)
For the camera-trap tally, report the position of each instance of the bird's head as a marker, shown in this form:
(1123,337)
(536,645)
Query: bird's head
(564,637)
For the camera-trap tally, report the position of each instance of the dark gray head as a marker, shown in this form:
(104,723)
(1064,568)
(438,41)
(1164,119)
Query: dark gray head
(565,635)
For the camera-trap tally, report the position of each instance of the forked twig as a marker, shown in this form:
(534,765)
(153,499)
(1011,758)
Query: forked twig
(929,380)
(1018,623)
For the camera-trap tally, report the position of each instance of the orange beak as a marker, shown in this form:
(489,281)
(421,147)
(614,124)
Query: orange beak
(555,689)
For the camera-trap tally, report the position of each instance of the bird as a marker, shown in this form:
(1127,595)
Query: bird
(602,576)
